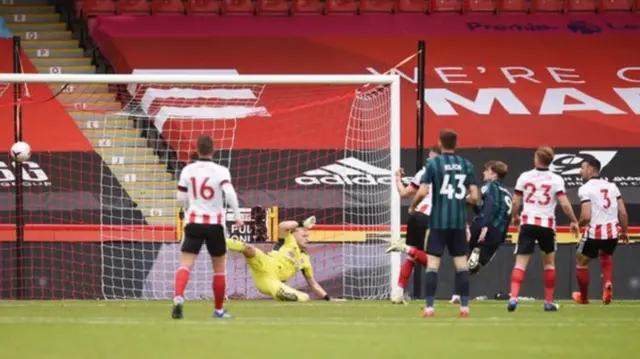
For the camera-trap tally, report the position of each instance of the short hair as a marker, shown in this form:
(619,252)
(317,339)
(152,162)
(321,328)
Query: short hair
(498,167)
(593,162)
(448,139)
(205,145)
(435,148)
(545,155)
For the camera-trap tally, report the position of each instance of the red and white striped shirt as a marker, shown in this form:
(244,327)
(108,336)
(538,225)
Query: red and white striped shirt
(603,196)
(202,184)
(425,205)
(540,189)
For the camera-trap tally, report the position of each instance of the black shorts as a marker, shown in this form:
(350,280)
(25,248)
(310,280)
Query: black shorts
(530,234)
(455,240)
(592,247)
(489,247)
(212,235)
(417,226)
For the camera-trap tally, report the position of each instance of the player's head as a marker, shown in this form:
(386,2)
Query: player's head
(448,140)
(301,235)
(590,168)
(495,170)
(434,151)
(543,157)
(204,147)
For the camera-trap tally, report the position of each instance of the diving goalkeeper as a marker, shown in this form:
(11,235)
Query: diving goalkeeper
(271,270)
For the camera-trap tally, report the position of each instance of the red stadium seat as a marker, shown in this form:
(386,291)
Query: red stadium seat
(513,5)
(411,6)
(238,7)
(445,6)
(203,7)
(132,7)
(479,5)
(91,8)
(377,6)
(615,5)
(547,6)
(273,7)
(159,7)
(580,5)
(636,6)
(342,7)
(307,7)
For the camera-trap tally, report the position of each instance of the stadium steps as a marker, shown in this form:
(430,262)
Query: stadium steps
(95,109)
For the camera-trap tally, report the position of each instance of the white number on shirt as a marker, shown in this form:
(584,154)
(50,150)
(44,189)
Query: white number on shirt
(508,202)
(204,191)
(459,192)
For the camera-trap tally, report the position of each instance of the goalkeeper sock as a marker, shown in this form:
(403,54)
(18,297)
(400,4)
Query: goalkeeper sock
(182,278)
(219,288)
(235,245)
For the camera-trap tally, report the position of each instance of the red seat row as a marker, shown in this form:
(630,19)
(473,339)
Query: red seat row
(89,8)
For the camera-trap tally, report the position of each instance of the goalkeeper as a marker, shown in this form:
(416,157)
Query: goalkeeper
(271,270)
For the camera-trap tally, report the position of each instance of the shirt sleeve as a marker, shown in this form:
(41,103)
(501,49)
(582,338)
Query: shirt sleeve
(429,173)
(583,194)
(226,177)
(183,182)
(560,191)
(519,189)
(616,192)
(415,181)
(307,268)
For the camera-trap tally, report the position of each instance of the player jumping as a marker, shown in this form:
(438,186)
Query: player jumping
(603,209)
(203,189)
(541,190)
(449,177)
(417,226)
(270,270)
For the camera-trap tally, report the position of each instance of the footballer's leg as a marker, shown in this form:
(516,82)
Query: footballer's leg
(417,226)
(189,252)
(289,294)
(607,248)
(435,248)
(216,246)
(585,252)
(524,248)
(548,246)
(457,247)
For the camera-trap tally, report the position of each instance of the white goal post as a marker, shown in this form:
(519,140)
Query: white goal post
(376,98)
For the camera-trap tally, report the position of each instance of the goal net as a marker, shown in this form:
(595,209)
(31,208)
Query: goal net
(108,226)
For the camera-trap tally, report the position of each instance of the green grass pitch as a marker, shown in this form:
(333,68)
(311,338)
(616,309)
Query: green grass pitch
(352,330)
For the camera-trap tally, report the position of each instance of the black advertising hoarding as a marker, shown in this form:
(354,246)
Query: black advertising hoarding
(66,188)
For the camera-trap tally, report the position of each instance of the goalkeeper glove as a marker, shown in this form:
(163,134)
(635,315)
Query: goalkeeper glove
(309,222)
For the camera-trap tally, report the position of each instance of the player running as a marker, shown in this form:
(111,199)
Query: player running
(417,226)
(541,190)
(203,189)
(603,209)
(449,177)
(270,270)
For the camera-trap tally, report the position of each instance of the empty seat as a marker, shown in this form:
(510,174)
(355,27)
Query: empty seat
(273,7)
(580,5)
(133,7)
(342,7)
(636,6)
(237,7)
(97,7)
(411,6)
(159,7)
(547,6)
(445,6)
(203,7)
(479,6)
(615,5)
(513,5)
(376,6)
(307,7)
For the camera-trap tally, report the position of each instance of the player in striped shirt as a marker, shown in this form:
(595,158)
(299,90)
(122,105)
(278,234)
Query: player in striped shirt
(417,226)
(203,189)
(603,209)
(540,190)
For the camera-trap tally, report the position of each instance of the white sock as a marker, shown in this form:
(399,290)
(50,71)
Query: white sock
(178,300)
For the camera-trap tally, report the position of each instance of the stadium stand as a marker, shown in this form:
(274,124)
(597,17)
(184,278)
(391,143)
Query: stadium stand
(411,6)
(203,7)
(377,6)
(513,6)
(159,7)
(479,6)
(238,7)
(273,7)
(445,6)
(307,7)
(133,7)
(342,7)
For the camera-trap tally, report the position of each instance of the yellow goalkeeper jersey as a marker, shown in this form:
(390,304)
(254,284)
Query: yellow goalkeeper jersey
(290,259)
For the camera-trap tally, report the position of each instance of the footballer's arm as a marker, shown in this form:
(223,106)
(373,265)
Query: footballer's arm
(568,210)
(623,218)
(585,213)
(231,197)
(181,195)
(317,288)
(405,192)
(474,194)
(423,191)
(515,208)
(286,227)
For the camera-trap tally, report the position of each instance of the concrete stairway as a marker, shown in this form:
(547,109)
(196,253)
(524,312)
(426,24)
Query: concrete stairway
(95,109)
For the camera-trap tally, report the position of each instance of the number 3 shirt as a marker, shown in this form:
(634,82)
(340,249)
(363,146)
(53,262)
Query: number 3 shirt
(603,196)
(540,189)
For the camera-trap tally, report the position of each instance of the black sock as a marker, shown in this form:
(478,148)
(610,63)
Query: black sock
(462,287)
(431,285)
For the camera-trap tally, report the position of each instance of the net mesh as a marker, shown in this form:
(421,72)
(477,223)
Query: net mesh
(110,209)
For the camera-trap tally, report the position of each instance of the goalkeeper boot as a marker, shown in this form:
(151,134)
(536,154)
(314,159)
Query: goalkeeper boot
(221,314)
(474,259)
(397,246)
(455,299)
